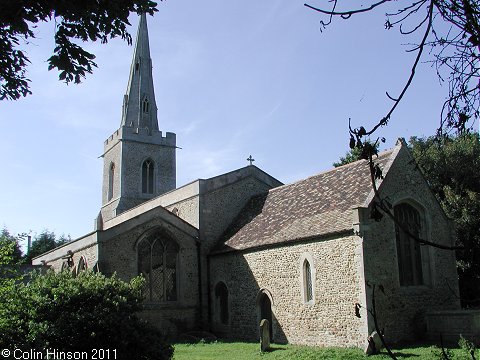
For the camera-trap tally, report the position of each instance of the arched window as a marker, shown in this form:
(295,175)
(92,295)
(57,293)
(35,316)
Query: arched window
(145,105)
(82,265)
(111,176)
(265,310)
(147,176)
(221,301)
(307,278)
(308,283)
(157,262)
(408,250)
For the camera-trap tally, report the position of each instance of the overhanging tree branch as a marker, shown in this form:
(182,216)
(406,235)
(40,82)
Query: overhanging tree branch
(347,14)
(455,50)
(82,20)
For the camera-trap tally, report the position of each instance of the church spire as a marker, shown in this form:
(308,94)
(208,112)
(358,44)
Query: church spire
(138,159)
(139,107)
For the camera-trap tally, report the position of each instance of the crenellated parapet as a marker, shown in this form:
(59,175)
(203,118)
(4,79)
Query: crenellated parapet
(142,135)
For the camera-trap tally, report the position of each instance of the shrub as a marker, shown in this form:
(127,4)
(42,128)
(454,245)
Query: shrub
(77,314)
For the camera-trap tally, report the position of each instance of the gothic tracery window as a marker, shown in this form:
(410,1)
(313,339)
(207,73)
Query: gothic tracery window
(408,250)
(157,262)
(148,176)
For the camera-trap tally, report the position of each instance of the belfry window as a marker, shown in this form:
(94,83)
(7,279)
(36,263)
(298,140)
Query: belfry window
(157,262)
(408,250)
(111,177)
(221,302)
(148,176)
(145,106)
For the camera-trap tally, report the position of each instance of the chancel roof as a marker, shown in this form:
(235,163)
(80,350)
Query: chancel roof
(318,206)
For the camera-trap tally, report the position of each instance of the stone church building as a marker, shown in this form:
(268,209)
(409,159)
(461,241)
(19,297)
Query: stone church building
(220,254)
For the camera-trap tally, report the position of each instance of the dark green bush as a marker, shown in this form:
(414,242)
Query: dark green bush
(79,313)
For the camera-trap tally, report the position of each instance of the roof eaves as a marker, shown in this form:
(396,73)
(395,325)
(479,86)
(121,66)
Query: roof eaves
(319,237)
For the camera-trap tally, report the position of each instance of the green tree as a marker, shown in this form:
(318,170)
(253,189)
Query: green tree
(80,313)
(12,243)
(88,20)
(451,166)
(10,258)
(43,242)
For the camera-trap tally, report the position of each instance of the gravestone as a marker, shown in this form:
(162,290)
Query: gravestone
(374,344)
(264,335)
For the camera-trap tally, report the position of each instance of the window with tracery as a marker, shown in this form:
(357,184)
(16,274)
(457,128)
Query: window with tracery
(111,176)
(148,176)
(408,250)
(157,262)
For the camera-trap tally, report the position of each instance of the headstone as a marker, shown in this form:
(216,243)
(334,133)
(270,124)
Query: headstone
(374,344)
(264,335)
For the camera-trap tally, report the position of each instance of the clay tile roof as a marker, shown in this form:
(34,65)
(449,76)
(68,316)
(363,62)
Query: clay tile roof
(317,206)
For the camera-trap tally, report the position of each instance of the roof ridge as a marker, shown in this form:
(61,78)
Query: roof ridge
(356,163)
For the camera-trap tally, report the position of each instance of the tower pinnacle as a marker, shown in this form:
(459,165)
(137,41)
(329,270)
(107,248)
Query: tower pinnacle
(139,106)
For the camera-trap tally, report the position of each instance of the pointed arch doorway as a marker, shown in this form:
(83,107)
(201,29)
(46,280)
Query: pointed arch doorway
(264,309)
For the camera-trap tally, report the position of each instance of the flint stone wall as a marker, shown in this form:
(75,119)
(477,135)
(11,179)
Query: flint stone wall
(328,321)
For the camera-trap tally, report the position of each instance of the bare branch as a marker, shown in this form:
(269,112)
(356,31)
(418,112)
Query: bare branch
(347,13)
(455,50)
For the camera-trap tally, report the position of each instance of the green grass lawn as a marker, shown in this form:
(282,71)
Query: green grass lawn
(238,351)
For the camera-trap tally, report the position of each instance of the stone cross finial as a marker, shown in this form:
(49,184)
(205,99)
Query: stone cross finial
(251,159)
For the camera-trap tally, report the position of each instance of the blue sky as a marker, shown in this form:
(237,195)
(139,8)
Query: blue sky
(232,78)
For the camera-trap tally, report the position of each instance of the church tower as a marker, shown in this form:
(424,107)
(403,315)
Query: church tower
(138,161)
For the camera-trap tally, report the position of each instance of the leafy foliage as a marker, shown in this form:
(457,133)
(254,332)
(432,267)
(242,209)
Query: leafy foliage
(45,241)
(10,242)
(89,311)
(468,347)
(10,255)
(88,20)
(451,166)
